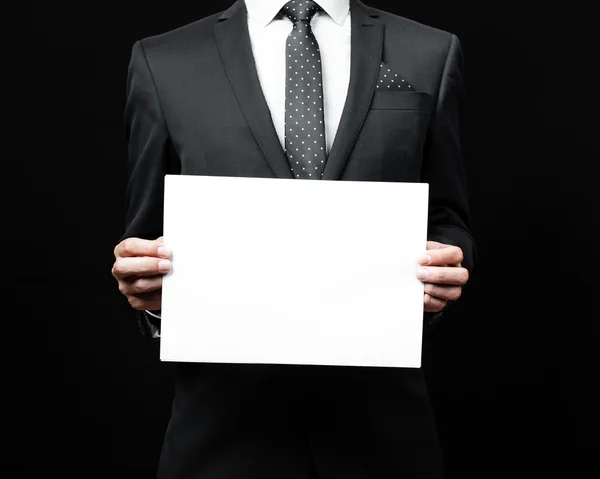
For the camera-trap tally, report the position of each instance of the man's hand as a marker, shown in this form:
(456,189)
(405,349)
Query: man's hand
(139,267)
(442,274)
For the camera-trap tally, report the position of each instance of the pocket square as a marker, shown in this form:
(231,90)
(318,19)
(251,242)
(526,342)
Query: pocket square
(389,80)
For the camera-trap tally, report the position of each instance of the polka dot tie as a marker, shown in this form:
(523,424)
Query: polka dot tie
(304,117)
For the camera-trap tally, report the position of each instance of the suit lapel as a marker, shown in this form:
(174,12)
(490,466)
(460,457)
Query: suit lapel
(366,49)
(233,41)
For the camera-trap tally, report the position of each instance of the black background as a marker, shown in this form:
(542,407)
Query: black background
(512,365)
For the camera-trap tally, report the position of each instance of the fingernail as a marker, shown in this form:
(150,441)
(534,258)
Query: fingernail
(163,251)
(422,273)
(424,259)
(164,266)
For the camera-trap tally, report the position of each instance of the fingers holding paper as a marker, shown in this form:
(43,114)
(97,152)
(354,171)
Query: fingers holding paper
(442,274)
(139,268)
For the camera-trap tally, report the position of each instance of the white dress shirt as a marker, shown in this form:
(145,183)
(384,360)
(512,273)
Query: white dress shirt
(268,39)
(268,36)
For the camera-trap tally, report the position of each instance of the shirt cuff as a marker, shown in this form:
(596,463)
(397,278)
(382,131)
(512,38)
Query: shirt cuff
(149,323)
(155,314)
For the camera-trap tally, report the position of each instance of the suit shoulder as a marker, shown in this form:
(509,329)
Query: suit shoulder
(423,35)
(183,36)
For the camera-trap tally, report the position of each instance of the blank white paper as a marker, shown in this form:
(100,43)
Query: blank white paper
(288,271)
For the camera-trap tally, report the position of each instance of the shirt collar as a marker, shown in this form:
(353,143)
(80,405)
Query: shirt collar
(264,11)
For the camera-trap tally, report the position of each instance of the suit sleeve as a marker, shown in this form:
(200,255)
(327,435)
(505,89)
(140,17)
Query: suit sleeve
(443,168)
(151,155)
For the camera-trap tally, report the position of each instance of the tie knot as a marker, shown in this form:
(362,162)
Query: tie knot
(300,10)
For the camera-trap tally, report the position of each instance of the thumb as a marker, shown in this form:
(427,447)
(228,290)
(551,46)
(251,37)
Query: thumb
(436,245)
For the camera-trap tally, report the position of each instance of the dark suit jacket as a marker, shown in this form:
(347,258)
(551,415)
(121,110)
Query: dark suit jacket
(195,106)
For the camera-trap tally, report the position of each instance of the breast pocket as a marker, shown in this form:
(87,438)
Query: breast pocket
(401,100)
(391,143)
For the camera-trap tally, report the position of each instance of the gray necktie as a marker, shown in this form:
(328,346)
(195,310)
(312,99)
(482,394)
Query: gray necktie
(304,116)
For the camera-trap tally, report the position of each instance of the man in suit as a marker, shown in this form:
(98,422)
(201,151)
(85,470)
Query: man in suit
(326,90)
